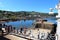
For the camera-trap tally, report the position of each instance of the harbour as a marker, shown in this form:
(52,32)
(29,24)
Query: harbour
(29,20)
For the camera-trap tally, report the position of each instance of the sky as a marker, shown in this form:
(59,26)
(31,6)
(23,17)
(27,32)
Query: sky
(28,5)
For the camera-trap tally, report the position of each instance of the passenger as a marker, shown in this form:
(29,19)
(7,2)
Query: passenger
(38,34)
(4,25)
(1,34)
(6,29)
(21,29)
(25,29)
(30,32)
(17,31)
(14,29)
(10,27)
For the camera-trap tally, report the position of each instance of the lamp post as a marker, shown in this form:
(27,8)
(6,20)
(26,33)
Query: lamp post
(58,19)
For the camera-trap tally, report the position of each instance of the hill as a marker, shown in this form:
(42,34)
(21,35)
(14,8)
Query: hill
(13,15)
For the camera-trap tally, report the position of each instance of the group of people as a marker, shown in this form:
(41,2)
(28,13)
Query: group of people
(10,29)
(5,29)
(23,31)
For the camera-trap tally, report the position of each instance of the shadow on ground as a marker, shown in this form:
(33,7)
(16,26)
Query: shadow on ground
(3,38)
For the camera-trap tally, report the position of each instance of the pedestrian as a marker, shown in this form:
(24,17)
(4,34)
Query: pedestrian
(21,29)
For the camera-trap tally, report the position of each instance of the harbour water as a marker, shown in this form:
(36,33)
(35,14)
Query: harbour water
(21,23)
(27,23)
(52,19)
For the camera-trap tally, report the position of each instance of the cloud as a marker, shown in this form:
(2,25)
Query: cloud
(1,4)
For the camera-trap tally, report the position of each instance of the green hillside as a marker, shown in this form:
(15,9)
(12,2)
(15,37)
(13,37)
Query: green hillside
(10,14)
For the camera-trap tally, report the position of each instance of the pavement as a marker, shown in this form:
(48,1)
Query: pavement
(12,37)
